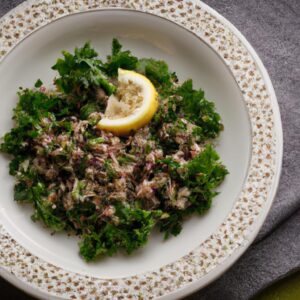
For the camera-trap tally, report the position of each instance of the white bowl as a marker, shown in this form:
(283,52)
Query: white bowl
(190,56)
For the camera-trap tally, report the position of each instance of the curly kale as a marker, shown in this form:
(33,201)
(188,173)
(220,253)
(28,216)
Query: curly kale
(80,73)
(200,111)
(158,72)
(201,175)
(130,233)
(44,139)
(119,59)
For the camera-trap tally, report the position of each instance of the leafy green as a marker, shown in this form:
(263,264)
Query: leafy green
(119,59)
(77,190)
(87,109)
(111,172)
(60,168)
(130,234)
(158,72)
(85,215)
(15,164)
(171,166)
(80,73)
(15,143)
(201,175)
(95,141)
(38,83)
(167,113)
(206,168)
(172,225)
(33,103)
(126,159)
(45,213)
(22,192)
(32,108)
(200,111)
(43,209)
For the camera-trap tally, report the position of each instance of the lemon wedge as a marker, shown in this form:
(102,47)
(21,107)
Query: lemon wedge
(132,106)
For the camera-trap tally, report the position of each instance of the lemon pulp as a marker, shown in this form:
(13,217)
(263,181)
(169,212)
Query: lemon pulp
(133,105)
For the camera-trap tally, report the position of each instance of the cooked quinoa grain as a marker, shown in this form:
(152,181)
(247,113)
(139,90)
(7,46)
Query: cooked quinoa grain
(109,190)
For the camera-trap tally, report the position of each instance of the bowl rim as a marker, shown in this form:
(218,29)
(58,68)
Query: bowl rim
(216,272)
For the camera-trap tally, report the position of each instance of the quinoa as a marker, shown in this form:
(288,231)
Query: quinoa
(110,190)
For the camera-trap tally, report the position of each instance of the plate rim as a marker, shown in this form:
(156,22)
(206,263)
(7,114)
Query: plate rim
(189,288)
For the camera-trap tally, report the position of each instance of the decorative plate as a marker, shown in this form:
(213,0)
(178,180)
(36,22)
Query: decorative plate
(196,42)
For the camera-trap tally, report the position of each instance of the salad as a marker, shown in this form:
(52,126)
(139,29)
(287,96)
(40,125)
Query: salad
(114,149)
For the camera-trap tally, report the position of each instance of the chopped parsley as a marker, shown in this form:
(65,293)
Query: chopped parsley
(112,191)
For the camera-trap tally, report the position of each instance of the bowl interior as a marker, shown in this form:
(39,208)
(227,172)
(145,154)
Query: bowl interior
(147,36)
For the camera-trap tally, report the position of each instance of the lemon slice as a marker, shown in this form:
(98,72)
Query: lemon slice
(132,106)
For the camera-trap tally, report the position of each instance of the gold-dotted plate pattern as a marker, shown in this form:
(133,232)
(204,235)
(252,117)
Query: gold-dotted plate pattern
(236,232)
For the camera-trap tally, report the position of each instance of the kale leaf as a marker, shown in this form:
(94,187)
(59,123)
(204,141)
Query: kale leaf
(119,59)
(130,233)
(80,73)
(49,136)
(201,175)
(158,73)
(87,109)
(200,111)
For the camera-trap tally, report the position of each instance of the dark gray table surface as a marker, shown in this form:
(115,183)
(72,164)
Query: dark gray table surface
(273,29)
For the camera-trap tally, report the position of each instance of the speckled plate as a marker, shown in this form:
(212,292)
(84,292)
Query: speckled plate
(196,42)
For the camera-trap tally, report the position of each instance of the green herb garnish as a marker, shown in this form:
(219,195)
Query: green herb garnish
(112,191)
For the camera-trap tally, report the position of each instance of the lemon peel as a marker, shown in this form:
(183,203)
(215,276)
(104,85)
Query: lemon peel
(128,112)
